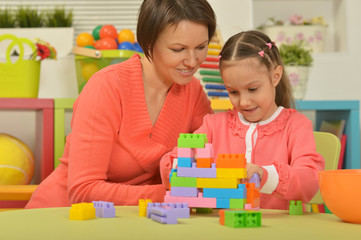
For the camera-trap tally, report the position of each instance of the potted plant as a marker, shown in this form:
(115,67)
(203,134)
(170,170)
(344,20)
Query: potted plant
(298,61)
(7,18)
(296,28)
(52,25)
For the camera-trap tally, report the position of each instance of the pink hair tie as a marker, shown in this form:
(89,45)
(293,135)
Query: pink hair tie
(219,56)
(261,53)
(269,45)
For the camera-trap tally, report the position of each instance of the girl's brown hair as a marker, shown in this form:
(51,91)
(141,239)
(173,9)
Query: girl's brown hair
(258,45)
(156,15)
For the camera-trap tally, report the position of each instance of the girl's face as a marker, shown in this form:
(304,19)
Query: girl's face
(252,88)
(179,51)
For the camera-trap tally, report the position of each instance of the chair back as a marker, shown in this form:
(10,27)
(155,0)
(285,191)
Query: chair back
(329,146)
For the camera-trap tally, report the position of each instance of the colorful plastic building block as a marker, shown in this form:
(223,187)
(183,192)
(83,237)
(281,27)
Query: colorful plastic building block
(184,191)
(104,209)
(82,211)
(231,161)
(199,201)
(185,162)
(204,162)
(185,153)
(197,172)
(231,173)
(295,208)
(206,152)
(143,203)
(240,192)
(183,181)
(168,213)
(239,219)
(189,140)
(217,182)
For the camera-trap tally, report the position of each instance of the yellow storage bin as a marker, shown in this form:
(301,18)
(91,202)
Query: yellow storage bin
(20,78)
(89,61)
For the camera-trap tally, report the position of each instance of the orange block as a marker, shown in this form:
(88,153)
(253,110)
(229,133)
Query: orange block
(221,217)
(231,161)
(253,194)
(204,162)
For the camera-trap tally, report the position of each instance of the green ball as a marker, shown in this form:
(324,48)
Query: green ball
(96,31)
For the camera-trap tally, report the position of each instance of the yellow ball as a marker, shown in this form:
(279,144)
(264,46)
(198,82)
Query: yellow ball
(16,161)
(126,35)
(88,69)
(84,39)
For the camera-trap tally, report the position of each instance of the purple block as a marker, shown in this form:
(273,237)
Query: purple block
(104,209)
(169,212)
(256,180)
(197,172)
(184,191)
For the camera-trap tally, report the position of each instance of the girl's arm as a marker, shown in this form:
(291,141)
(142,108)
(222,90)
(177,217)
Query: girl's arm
(298,179)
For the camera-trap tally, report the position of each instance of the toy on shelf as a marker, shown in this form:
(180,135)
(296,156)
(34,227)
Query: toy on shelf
(16,161)
(106,37)
(204,183)
(295,208)
(239,219)
(209,73)
(167,213)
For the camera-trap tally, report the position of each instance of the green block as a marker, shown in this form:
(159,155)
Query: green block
(295,208)
(239,219)
(176,181)
(236,203)
(190,140)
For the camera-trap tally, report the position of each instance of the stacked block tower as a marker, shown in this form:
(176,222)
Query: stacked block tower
(203,181)
(208,71)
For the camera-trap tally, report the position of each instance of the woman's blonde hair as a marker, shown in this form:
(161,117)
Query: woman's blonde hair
(256,44)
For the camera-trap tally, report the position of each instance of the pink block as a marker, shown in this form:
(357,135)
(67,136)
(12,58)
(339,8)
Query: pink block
(185,153)
(192,201)
(206,152)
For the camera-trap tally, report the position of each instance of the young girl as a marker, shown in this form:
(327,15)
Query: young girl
(277,140)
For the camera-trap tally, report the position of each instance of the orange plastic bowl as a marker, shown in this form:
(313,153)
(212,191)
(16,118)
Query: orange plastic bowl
(341,192)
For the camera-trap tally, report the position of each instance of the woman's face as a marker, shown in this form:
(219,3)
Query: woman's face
(179,51)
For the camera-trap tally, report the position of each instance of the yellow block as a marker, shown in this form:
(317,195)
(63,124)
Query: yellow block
(217,182)
(221,104)
(315,208)
(231,173)
(143,205)
(82,211)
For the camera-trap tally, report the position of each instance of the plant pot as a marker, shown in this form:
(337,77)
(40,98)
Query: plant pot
(298,76)
(314,36)
(60,38)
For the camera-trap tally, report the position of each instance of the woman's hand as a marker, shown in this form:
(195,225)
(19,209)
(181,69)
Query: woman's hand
(252,169)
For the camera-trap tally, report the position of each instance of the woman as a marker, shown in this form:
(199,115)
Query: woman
(130,114)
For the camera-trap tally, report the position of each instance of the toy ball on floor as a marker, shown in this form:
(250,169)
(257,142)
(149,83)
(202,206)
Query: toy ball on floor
(16,161)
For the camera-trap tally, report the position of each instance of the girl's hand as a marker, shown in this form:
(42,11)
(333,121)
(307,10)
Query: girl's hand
(252,169)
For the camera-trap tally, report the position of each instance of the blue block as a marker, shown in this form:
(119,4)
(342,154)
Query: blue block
(185,162)
(171,173)
(239,193)
(222,202)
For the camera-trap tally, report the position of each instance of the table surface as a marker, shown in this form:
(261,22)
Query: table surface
(54,223)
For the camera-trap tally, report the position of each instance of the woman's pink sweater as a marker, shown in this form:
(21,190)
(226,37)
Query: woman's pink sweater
(113,151)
